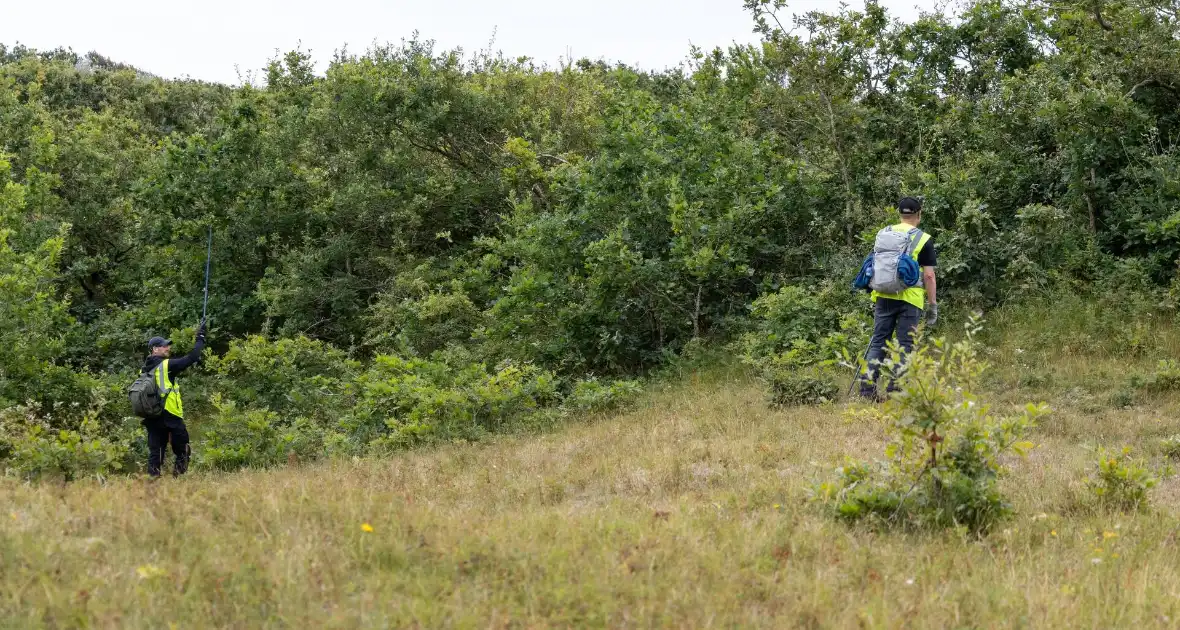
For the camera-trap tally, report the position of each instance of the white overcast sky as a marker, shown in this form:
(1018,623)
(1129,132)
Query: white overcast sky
(215,39)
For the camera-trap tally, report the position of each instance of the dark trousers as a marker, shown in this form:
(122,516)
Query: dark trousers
(161,430)
(889,317)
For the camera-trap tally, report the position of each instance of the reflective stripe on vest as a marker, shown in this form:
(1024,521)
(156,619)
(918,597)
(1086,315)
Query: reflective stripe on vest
(169,391)
(915,295)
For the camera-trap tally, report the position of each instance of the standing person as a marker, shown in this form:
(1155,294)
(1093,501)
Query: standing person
(899,312)
(169,425)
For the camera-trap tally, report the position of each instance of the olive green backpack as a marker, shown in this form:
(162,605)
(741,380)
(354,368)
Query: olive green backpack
(146,401)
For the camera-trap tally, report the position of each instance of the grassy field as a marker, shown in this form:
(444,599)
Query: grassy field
(690,510)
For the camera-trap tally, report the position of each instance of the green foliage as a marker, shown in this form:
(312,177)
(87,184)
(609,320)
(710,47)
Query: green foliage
(799,337)
(300,399)
(402,402)
(297,376)
(1165,378)
(593,395)
(234,438)
(1121,481)
(474,210)
(30,448)
(1170,447)
(32,318)
(793,384)
(947,451)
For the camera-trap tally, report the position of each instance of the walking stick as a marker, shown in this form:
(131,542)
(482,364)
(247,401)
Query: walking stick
(208,259)
(856,375)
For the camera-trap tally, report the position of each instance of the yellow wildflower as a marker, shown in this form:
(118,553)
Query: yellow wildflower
(365,527)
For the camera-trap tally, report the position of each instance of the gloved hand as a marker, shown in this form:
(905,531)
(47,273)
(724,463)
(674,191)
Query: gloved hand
(201,331)
(931,315)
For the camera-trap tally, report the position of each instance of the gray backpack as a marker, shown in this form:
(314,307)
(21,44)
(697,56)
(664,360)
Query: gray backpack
(894,267)
(146,401)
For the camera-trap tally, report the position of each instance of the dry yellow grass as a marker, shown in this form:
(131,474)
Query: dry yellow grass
(690,511)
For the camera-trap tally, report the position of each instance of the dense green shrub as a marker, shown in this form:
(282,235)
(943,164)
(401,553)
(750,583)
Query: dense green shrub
(401,402)
(594,395)
(298,399)
(234,438)
(31,448)
(800,338)
(296,376)
(792,384)
(1165,378)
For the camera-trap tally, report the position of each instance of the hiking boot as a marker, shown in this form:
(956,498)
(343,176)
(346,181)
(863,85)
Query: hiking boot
(181,464)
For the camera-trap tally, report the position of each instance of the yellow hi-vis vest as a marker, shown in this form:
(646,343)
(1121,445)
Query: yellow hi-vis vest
(169,391)
(915,295)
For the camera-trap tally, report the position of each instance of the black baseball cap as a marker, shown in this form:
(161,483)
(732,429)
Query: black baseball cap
(909,205)
(158,342)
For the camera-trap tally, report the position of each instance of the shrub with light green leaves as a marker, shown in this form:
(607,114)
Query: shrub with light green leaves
(401,402)
(292,376)
(30,448)
(1170,447)
(1121,481)
(947,452)
(593,395)
(300,399)
(798,377)
(801,336)
(1165,378)
(255,437)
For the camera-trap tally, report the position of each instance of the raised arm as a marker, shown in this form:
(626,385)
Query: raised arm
(178,365)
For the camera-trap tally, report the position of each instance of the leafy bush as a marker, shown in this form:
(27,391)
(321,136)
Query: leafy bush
(1170,447)
(326,405)
(254,437)
(1122,398)
(827,316)
(593,395)
(417,318)
(400,402)
(800,337)
(1121,482)
(947,451)
(1165,378)
(800,384)
(291,376)
(31,449)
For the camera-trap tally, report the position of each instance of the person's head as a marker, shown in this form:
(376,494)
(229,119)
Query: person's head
(910,209)
(159,346)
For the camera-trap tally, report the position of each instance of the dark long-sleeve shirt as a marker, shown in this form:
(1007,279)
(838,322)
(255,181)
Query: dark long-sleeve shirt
(179,364)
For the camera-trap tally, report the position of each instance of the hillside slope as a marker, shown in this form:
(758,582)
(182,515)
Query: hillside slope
(691,510)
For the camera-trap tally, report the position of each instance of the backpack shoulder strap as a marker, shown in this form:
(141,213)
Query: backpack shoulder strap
(915,238)
(161,376)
